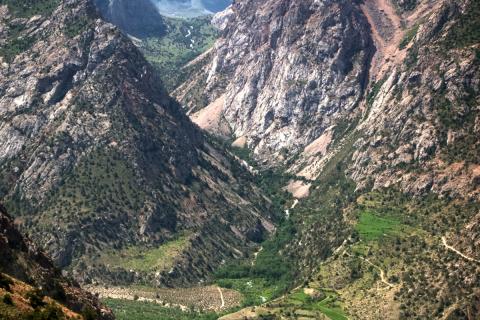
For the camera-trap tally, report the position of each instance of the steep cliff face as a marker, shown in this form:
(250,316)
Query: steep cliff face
(309,83)
(23,265)
(421,132)
(393,172)
(285,72)
(96,156)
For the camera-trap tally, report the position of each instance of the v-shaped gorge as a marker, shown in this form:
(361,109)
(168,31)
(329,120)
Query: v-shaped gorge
(365,111)
(98,161)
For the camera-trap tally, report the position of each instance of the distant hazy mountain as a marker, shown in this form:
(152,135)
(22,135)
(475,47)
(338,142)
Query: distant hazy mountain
(190,8)
(137,18)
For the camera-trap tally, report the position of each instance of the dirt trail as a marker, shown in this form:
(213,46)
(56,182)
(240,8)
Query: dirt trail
(382,273)
(221,297)
(383,278)
(287,211)
(387,33)
(444,242)
(295,202)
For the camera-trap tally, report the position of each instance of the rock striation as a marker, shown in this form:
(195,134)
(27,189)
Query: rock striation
(96,156)
(289,70)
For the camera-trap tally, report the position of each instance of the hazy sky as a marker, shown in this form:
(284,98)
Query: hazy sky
(190,8)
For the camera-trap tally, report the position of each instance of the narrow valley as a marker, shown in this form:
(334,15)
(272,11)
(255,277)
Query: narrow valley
(245,159)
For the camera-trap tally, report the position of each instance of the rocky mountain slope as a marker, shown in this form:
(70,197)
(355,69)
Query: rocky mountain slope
(366,111)
(32,288)
(97,161)
(421,131)
(168,43)
(373,111)
(325,66)
(286,73)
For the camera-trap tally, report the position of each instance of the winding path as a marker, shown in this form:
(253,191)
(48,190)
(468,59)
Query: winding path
(445,244)
(383,278)
(382,273)
(221,297)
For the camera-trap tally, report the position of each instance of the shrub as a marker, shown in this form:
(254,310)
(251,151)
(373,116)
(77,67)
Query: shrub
(50,312)
(35,298)
(7,299)
(88,313)
(5,282)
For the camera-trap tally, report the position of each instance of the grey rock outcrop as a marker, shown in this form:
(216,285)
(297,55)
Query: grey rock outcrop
(95,155)
(288,70)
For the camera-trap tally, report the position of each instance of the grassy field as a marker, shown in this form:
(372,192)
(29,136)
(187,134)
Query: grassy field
(254,290)
(331,309)
(373,227)
(146,259)
(329,306)
(138,310)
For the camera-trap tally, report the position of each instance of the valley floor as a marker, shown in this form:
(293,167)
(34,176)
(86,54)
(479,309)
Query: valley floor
(207,298)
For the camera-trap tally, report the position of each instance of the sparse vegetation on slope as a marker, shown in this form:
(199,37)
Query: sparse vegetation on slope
(408,37)
(29,8)
(138,310)
(148,259)
(184,40)
(466,31)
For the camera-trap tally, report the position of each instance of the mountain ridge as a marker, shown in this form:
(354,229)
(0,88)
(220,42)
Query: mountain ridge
(366,112)
(100,157)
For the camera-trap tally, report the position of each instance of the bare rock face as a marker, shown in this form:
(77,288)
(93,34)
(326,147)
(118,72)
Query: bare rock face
(289,70)
(420,133)
(95,155)
(300,82)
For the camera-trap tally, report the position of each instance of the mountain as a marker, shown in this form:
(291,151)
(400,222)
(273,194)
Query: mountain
(100,165)
(190,8)
(370,108)
(139,18)
(293,82)
(322,74)
(32,288)
(337,174)
(167,41)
